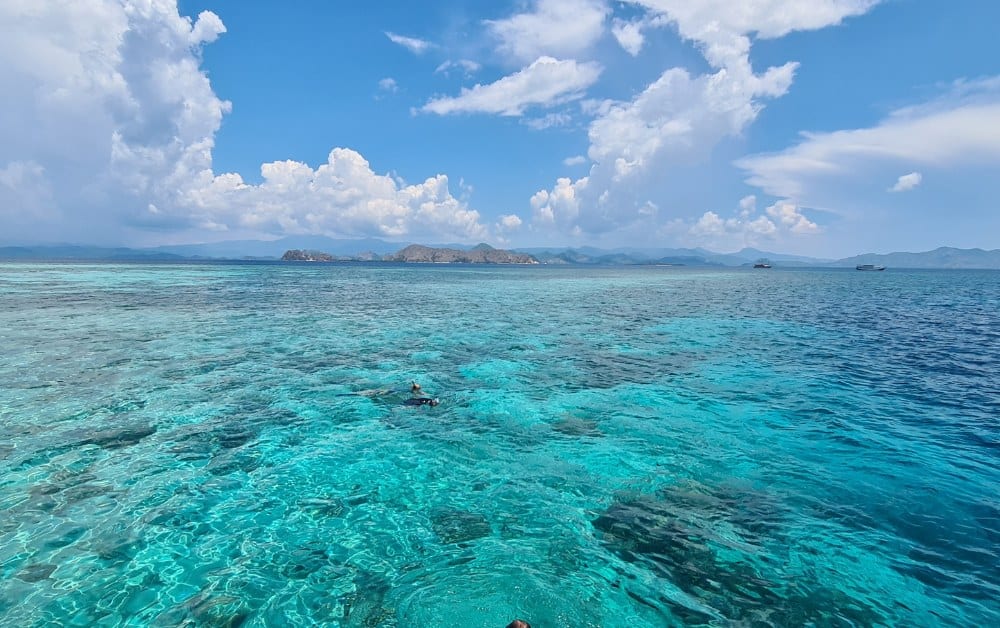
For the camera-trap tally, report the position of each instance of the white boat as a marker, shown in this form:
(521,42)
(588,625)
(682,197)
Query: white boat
(869,267)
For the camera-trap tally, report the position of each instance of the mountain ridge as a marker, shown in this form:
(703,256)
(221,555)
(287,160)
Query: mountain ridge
(369,249)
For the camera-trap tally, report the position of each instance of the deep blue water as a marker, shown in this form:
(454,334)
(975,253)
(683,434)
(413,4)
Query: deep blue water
(226,444)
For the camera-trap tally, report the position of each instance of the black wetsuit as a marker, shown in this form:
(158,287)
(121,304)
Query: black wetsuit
(420,401)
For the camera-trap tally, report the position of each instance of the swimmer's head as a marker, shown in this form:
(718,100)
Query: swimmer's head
(415,387)
(434,402)
(517,623)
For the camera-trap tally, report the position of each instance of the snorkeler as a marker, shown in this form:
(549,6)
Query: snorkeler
(420,398)
(421,401)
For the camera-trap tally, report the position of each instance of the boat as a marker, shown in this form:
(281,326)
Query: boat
(762,263)
(869,267)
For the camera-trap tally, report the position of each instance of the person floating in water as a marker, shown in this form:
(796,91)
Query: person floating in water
(518,623)
(421,401)
(419,398)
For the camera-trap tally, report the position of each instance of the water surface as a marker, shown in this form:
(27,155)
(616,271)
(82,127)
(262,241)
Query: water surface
(225,443)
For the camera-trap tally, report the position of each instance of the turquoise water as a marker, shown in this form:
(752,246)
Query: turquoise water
(221,445)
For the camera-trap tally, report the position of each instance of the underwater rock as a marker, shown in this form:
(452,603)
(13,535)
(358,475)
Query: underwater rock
(304,561)
(575,426)
(63,535)
(322,506)
(232,436)
(36,572)
(121,437)
(117,550)
(684,518)
(81,492)
(224,464)
(217,443)
(671,534)
(364,607)
(643,526)
(459,526)
(221,611)
(818,606)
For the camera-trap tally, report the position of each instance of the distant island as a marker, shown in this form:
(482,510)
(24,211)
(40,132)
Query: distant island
(324,249)
(297,255)
(419,254)
(480,254)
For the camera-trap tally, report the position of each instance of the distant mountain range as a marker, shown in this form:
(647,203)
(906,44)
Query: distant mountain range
(377,249)
(274,249)
(479,254)
(70,252)
(943,257)
(419,254)
(675,257)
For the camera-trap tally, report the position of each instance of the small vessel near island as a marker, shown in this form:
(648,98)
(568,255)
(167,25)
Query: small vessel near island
(762,263)
(869,267)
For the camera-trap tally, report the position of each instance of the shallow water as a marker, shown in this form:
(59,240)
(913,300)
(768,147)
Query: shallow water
(227,443)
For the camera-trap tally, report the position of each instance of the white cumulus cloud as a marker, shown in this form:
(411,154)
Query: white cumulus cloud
(343,196)
(548,121)
(109,126)
(413,44)
(561,28)
(509,223)
(629,36)
(546,82)
(680,117)
(108,103)
(962,128)
(722,27)
(790,215)
(466,66)
(907,182)
(559,207)
(745,228)
(674,121)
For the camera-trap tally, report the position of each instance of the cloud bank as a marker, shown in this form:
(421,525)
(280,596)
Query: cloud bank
(110,130)
(959,129)
(679,118)
(413,44)
(558,28)
(907,182)
(545,83)
(342,196)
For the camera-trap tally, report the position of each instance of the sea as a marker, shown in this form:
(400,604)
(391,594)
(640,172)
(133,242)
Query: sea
(233,444)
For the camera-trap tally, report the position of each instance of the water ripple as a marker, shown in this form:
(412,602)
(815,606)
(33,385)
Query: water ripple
(228,445)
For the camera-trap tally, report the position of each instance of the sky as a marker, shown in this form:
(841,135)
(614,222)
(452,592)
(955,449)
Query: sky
(815,127)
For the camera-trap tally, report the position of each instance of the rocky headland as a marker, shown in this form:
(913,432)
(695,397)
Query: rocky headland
(297,255)
(419,254)
(481,254)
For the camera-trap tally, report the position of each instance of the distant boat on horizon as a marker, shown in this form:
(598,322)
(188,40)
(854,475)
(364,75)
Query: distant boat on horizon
(762,263)
(869,267)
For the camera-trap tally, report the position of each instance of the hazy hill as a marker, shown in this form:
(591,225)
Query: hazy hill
(943,257)
(673,256)
(60,252)
(298,255)
(242,249)
(374,249)
(480,254)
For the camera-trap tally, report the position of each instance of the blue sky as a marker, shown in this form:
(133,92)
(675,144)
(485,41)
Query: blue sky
(818,127)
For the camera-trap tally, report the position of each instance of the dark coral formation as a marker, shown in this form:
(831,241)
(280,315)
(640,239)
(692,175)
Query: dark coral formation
(673,535)
(459,526)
